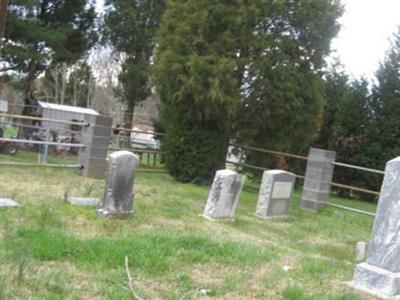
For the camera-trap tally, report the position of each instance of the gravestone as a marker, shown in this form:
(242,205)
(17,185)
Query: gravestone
(224,195)
(118,194)
(8,203)
(83,201)
(96,137)
(380,274)
(275,193)
(318,179)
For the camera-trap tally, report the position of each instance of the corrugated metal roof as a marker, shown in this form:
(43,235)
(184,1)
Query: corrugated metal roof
(68,108)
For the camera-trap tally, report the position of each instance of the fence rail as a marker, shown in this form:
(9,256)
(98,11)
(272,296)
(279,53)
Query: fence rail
(17,164)
(339,164)
(22,117)
(272,152)
(21,141)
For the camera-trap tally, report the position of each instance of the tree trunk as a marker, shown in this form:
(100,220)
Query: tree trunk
(3,15)
(128,115)
(75,85)
(281,163)
(30,103)
(63,83)
(29,100)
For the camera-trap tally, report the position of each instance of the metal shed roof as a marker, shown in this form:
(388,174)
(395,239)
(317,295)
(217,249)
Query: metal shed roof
(68,108)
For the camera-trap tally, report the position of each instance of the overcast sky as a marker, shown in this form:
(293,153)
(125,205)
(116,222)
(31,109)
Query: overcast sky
(367,27)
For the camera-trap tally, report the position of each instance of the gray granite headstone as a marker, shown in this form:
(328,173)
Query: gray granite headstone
(8,203)
(380,274)
(318,178)
(224,195)
(118,194)
(275,193)
(83,201)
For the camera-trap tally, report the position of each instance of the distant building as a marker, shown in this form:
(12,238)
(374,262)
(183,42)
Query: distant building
(64,113)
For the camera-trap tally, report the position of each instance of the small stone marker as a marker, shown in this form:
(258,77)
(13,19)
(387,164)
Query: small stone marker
(224,195)
(361,250)
(8,203)
(275,193)
(380,274)
(118,194)
(83,201)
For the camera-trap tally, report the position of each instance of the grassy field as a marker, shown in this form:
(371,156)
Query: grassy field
(51,250)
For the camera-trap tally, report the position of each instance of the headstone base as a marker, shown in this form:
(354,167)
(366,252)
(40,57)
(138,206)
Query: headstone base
(311,205)
(122,215)
(266,218)
(8,203)
(83,201)
(376,281)
(218,219)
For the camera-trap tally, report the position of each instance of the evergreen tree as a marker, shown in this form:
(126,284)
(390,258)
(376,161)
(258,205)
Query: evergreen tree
(41,32)
(336,84)
(196,71)
(240,66)
(284,88)
(351,135)
(131,27)
(386,99)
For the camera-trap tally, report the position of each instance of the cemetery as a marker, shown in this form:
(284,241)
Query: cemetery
(111,222)
(189,150)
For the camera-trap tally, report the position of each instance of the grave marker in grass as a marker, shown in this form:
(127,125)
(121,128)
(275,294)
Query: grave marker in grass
(380,274)
(224,195)
(275,193)
(118,193)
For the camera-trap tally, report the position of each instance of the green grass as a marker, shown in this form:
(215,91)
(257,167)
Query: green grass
(51,250)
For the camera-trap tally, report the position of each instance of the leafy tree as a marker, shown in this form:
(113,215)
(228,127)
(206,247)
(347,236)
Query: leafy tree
(131,26)
(73,86)
(43,32)
(196,71)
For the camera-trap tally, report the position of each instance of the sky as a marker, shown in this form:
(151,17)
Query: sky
(367,27)
(364,38)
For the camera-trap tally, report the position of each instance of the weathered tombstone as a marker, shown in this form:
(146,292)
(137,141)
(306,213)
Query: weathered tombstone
(83,201)
(96,137)
(318,178)
(224,195)
(8,203)
(380,274)
(275,193)
(118,193)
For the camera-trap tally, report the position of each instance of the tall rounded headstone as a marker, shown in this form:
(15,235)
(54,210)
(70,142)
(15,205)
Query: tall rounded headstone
(380,274)
(118,195)
(275,193)
(224,195)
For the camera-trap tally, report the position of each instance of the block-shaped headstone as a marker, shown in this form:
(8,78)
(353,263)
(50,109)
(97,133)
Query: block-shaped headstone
(83,201)
(118,195)
(96,138)
(224,195)
(275,193)
(318,178)
(4,203)
(380,274)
